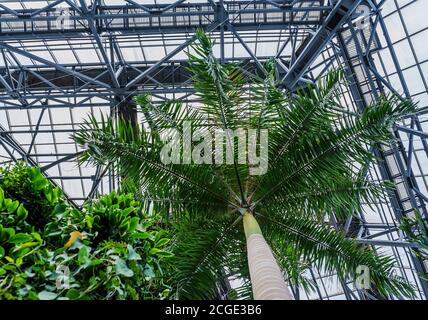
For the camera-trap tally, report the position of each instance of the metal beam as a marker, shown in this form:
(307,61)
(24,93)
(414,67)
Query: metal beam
(314,44)
(388,243)
(53,65)
(176,17)
(88,14)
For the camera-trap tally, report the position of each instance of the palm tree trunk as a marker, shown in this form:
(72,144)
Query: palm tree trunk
(266,278)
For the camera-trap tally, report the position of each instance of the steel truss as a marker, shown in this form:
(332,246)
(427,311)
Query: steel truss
(312,37)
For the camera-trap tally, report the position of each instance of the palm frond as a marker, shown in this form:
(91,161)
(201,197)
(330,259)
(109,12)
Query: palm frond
(334,152)
(170,114)
(340,197)
(219,86)
(139,159)
(324,247)
(205,256)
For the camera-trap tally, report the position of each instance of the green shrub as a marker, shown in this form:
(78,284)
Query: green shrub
(49,250)
(28,186)
(20,252)
(124,252)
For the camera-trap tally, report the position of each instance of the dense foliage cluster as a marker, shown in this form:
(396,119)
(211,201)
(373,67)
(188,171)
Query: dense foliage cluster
(109,249)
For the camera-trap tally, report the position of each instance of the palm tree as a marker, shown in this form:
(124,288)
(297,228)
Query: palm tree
(316,160)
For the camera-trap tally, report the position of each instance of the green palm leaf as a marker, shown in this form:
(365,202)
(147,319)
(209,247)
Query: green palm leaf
(319,244)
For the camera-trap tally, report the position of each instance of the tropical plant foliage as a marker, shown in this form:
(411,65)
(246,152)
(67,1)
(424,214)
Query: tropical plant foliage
(123,252)
(50,250)
(29,187)
(22,247)
(416,229)
(317,156)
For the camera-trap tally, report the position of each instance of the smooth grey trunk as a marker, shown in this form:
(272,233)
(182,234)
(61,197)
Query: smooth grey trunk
(267,279)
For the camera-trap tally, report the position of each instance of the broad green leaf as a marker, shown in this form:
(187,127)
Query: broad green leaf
(9,259)
(89,221)
(160,253)
(19,261)
(142,235)
(83,256)
(154,251)
(22,213)
(49,195)
(133,223)
(73,294)
(20,238)
(37,236)
(162,242)
(11,206)
(127,211)
(165,254)
(57,193)
(96,262)
(10,232)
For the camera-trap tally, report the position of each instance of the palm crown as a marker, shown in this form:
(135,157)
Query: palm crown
(316,161)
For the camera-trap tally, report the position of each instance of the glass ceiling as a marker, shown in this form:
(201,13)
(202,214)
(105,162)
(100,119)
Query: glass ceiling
(62,60)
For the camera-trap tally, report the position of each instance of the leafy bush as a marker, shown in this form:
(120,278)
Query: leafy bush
(114,251)
(28,186)
(122,254)
(20,250)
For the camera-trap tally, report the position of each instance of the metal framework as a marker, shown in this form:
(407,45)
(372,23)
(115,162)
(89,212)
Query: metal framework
(62,59)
